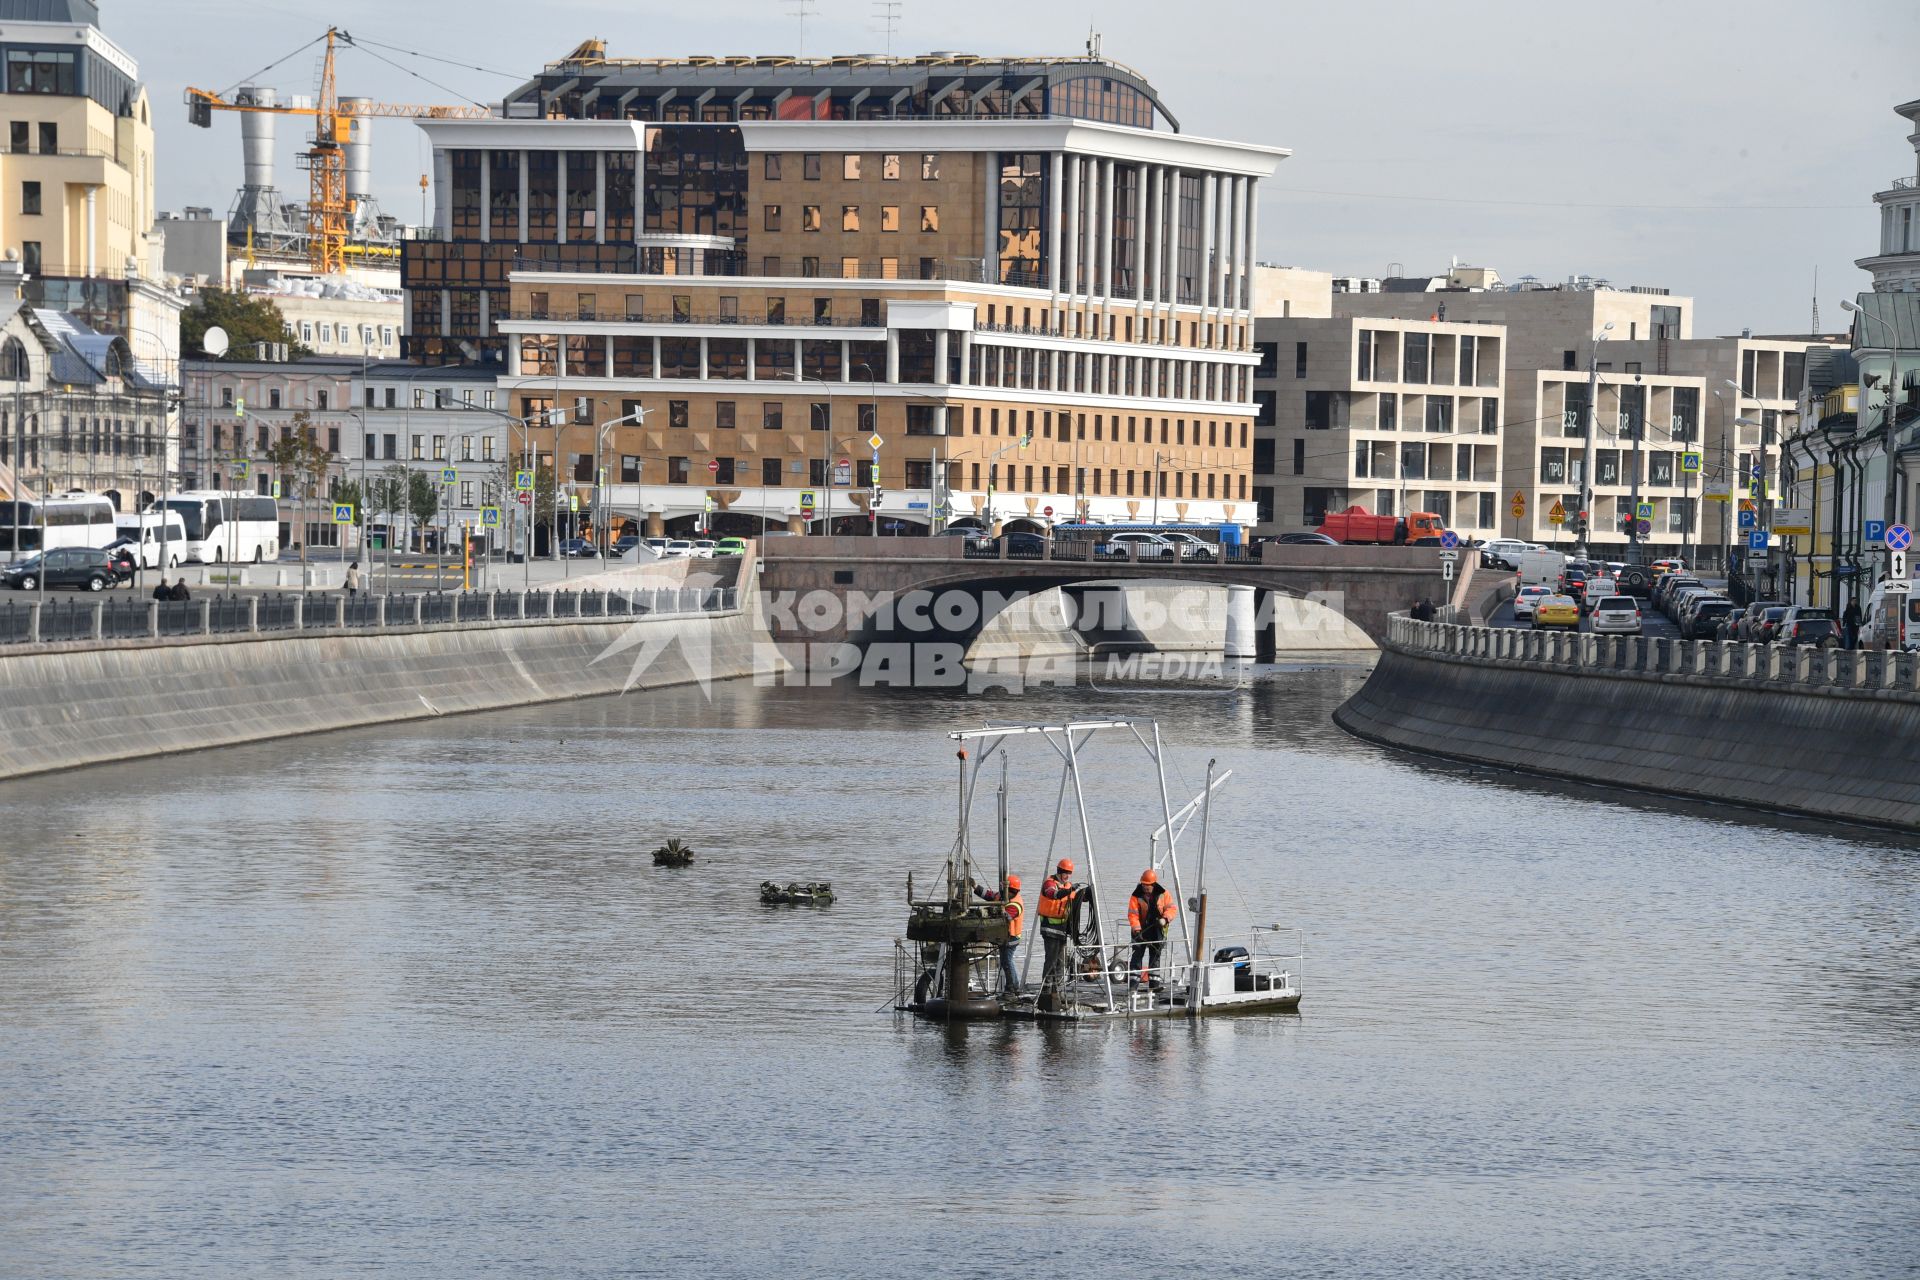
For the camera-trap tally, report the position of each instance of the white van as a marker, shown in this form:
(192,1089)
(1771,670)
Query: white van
(1872,626)
(1540,568)
(148,534)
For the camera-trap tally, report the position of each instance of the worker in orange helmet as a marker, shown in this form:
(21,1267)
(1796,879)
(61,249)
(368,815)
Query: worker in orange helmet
(1150,910)
(1056,914)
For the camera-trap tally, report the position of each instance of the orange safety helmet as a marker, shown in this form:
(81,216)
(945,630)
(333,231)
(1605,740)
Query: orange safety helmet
(1066,866)
(1013,883)
(1149,876)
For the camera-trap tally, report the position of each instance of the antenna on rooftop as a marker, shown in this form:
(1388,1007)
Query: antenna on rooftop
(887,16)
(1816,302)
(802,9)
(1093,41)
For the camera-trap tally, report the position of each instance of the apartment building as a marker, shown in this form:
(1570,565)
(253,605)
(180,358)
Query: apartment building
(447,423)
(736,273)
(236,411)
(77,173)
(1896,267)
(1388,414)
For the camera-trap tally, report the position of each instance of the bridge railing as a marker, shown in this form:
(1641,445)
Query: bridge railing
(118,620)
(1895,674)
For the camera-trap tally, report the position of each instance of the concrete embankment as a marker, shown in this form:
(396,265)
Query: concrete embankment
(1163,618)
(1830,752)
(89,705)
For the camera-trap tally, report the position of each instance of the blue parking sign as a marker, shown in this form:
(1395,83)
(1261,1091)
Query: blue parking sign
(1748,520)
(1873,532)
(1757,540)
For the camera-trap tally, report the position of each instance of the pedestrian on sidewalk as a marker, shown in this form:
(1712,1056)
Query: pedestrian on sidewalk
(1424,610)
(352,580)
(179,591)
(1850,625)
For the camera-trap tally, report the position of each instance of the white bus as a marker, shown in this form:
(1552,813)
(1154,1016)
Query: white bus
(224,526)
(150,535)
(73,519)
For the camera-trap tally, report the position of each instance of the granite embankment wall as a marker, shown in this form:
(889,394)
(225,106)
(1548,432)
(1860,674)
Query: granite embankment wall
(77,705)
(1822,734)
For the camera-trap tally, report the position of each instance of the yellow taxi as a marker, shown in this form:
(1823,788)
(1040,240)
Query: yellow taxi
(1661,568)
(1556,611)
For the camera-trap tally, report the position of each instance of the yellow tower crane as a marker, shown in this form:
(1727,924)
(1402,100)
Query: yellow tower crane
(326,159)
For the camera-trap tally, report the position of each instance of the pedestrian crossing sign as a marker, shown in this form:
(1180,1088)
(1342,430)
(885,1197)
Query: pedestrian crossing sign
(1644,511)
(239,468)
(489,517)
(573,502)
(523,481)
(343,513)
(1690,464)
(448,475)
(276,489)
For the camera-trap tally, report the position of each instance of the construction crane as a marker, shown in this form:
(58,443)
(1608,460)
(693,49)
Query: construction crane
(326,160)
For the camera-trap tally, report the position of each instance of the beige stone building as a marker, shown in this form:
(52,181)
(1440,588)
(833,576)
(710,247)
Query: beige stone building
(1388,414)
(1015,274)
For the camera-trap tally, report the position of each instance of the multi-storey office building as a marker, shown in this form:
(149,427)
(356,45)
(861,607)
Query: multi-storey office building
(447,423)
(1031,294)
(1391,415)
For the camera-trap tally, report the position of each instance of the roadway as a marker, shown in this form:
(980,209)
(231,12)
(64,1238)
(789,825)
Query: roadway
(1653,623)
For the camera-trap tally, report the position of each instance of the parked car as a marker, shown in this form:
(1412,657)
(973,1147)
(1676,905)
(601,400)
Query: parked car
(578,549)
(84,568)
(626,544)
(657,545)
(730,547)
(1556,611)
(678,548)
(1525,599)
(1679,602)
(1615,615)
(1703,620)
(1747,621)
(1766,629)
(703,548)
(1664,587)
(1304,540)
(1804,624)
(1021,545)
(1190,547)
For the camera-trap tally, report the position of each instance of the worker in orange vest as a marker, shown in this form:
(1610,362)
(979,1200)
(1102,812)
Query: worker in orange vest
(1056,913)
(1150,910)
(1016,908)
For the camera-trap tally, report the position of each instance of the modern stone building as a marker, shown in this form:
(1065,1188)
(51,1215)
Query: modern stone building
(1016,273)
(1392,415)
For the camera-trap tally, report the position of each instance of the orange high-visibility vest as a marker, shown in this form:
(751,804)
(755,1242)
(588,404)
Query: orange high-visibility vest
(1157,902)
(1056,897)
(1016,915)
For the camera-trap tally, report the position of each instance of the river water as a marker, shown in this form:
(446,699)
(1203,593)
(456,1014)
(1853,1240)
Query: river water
(415,1001)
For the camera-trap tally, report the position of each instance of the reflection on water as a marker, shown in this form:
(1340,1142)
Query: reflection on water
(415,999)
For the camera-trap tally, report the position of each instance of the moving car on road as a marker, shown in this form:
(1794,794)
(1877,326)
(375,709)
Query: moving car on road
(1556,611)
(1806,624)
(1615,615)
(1144,545)
(1525,599)
(730,547)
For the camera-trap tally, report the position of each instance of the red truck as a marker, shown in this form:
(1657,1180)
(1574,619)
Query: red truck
(1357,524)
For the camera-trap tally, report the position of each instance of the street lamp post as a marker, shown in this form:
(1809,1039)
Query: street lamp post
(1592,442)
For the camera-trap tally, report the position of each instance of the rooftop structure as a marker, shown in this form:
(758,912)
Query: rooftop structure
(1896,268)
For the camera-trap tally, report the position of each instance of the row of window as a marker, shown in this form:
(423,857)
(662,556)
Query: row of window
(20,137)
(423,398)
(418,445)
(852,166)
(1374,360)
(1475,510)
(327,332)
(773,217)
(1610,467)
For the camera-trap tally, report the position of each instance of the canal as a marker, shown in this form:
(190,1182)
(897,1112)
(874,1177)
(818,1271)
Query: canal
(415,1000)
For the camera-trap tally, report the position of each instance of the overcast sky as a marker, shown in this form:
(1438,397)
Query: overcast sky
(1720,148)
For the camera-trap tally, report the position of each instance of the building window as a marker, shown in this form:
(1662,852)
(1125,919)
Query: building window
(771,167)
(889,217)
(273,398)
(849,268)
(770,416)
(29,197)
(677,417)
(50,142)
(320,398)
(820,415)
(30,256)
(1414,361)
(849,217)
(1489,417)
(929,166)
(679,470)
(1299,359)
(809,217)
(770,218)
(439,448)
(723,415)
(418,450)
(1439,414)
(890,168)
(810,166)
(850,168)
(770,472)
